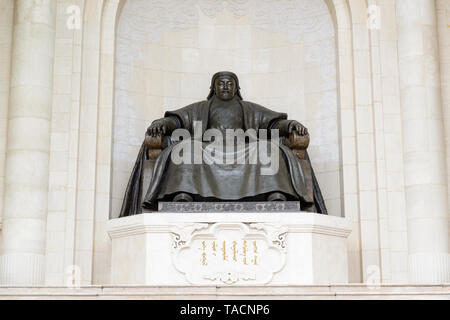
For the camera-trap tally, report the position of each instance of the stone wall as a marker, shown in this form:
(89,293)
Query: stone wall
(343,80)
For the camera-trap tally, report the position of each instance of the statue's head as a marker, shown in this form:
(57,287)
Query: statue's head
(225,85)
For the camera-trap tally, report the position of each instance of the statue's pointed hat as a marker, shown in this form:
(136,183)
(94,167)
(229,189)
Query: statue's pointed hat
(220,74)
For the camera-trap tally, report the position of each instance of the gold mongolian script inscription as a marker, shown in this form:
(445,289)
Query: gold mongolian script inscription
(235,251)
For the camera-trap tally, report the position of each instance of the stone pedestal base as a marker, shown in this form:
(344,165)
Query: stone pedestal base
(285,248)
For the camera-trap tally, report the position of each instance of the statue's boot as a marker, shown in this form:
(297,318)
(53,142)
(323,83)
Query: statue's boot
(276,196)
(308,207)
(182,197)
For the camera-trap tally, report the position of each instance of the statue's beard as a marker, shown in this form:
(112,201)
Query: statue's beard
(226,96)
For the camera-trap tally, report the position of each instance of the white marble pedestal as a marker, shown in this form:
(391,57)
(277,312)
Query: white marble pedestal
(166,249)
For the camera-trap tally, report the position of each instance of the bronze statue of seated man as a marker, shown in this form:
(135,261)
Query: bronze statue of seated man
(223,173)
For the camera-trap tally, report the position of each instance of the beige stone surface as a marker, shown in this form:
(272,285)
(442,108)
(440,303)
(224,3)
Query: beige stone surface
(6,34)
(423,142)
(443,25)
(324,292)
(367,150)
(22,258)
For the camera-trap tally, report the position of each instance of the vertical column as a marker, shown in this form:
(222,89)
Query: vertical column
(443,19)
(6,32)
(27,159)
(423,142)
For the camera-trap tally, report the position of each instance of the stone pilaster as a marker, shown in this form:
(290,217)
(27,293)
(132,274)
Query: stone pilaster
(423,142)
(27,159)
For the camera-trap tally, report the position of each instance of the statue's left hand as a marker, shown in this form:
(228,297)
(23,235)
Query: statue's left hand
(298,127)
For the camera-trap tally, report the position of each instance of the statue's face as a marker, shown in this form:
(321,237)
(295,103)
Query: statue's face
(225,87)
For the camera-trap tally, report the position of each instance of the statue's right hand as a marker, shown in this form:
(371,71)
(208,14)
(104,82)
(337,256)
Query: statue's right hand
(158,128)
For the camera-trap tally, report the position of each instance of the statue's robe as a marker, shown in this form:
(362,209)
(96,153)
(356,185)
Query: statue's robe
(296,178)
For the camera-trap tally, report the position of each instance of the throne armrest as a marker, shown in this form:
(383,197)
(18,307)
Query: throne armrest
(298,144)
(155,145)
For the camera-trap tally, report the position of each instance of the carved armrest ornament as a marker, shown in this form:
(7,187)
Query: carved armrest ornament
(154,145)
(298,144)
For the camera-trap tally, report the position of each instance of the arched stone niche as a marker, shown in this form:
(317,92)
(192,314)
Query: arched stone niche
(283,51)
